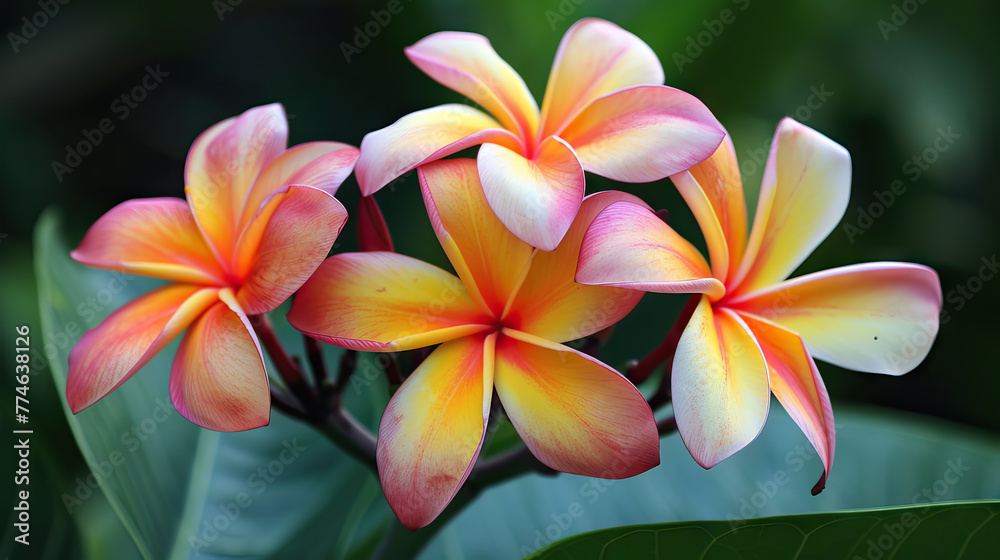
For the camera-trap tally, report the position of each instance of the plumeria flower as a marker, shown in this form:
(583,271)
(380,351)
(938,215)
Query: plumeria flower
(257,222)
(753,332)
(500,325)
(605,111)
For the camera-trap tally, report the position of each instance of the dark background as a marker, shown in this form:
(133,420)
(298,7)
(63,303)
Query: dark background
(890,89)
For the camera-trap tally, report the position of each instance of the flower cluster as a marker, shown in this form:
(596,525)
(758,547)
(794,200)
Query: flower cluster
(536,265)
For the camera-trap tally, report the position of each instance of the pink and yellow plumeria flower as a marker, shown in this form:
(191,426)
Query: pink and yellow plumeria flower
(605,111)
(257,222)
(500,325)
(754,332)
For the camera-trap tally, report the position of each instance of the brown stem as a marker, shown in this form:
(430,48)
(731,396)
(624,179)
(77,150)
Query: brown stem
(338,425)
(392,374)
(290,372)
(348,363)
(665,351)
(281,401)
(666,426)
(314,355)
(351,436)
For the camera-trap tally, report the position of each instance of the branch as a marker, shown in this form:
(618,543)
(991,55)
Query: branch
(665,351)
(290,372)
(506,465)
(337,424)
(314,355)
(666,426)
(281,401)
(351,436)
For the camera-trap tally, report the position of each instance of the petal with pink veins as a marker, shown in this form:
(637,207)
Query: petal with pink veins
(151,237)
(875,317)
(594,58)
(384,301)
(803,196)
(713,190)
(628,246)
(218,379)
(551,304)
(432,430)
(467,63)
(321,165)
(222,165)
(490,260)
(422,137)
(538,198)
(282,246)
(718,384)
(796,382)
(574,413)
(111,353)
(643,133)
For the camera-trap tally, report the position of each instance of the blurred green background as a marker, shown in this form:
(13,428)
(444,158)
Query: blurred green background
(884,79)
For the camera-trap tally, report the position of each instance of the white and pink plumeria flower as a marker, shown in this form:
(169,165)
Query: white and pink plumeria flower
(605,110)
(754,332)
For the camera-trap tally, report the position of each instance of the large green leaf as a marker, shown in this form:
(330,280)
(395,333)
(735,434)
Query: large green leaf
(952,530)
(278,492)
(883,459)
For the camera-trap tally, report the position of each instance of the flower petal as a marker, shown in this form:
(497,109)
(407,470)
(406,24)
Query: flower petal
(467,63)
(876,317)
(422,137)
(218,379)
(384,301)
(643,133)
(536,199)
(222,165)
(628,246)
(432,430)
(551,304)
(321,165)
(490,260)
(151,237)
(804,193)
(284,243)
(713,190)
(373,233)
(719,385)
(574,413)
(110,354)
(796,382)
(595,57)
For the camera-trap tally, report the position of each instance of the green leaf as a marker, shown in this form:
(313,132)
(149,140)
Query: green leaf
(277,492)
(951,530)
(883,459)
